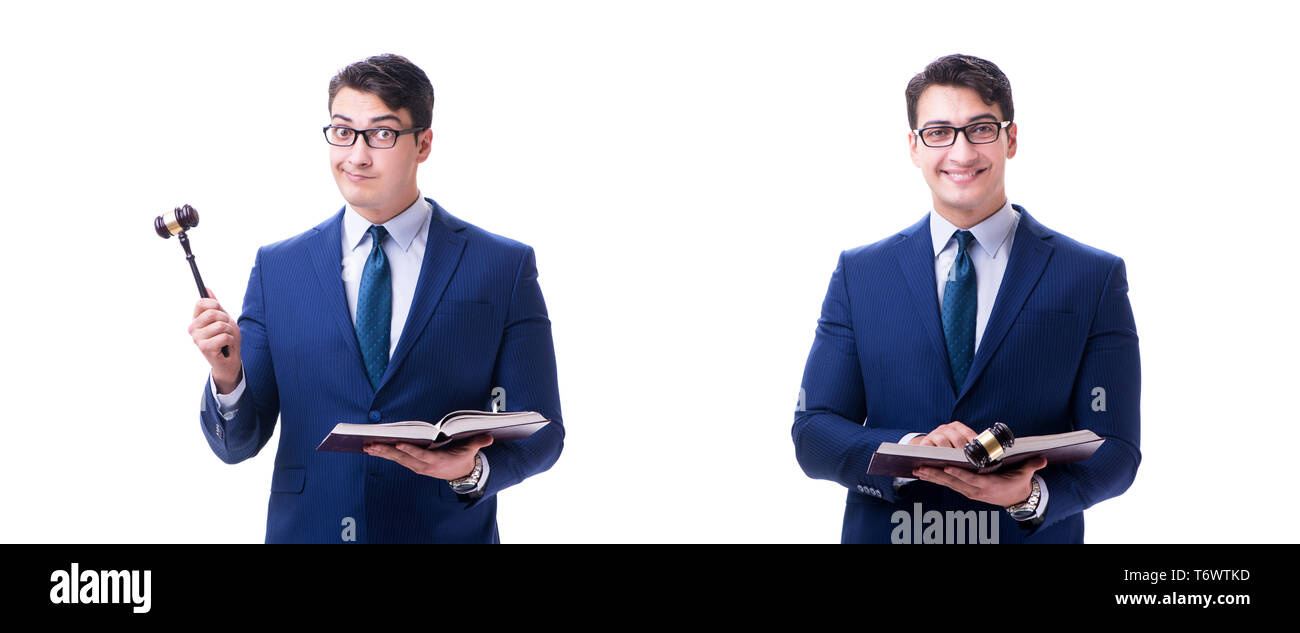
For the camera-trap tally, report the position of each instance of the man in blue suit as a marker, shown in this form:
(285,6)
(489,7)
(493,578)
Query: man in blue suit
(976,314)
(392,309)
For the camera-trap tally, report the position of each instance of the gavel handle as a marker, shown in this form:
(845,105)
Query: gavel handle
(198,279)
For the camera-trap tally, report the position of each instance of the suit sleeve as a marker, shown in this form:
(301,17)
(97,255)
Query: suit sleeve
(248,431)
(831,440)
(525,369)
(1105,400)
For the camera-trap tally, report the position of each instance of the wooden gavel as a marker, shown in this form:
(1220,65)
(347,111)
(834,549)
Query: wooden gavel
(990,446)
(175,222)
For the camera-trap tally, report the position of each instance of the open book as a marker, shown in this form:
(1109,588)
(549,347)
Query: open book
(457,425)
(898,460)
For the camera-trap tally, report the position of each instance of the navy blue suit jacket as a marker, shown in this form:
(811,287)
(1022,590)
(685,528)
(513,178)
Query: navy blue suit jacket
(1061,327)
(477,322)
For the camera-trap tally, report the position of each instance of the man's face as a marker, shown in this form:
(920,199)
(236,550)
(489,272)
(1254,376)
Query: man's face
(966,180)
(378,182)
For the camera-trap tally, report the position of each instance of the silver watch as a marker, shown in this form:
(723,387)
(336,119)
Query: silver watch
(1026,509)
(468,483)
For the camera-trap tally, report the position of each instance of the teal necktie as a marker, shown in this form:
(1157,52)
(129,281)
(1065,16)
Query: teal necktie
(375,308)
(959,301)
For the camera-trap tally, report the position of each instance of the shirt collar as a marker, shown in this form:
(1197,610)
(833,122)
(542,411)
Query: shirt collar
(403,228)
(990,234)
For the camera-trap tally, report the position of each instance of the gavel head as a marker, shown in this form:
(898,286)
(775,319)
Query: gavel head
(989,447)
(175,222)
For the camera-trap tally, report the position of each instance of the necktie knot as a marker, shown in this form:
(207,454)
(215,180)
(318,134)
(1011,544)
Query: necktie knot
(964,238)
(377,234)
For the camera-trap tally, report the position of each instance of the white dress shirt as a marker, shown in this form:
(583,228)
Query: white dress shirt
(408,234)
(989,253)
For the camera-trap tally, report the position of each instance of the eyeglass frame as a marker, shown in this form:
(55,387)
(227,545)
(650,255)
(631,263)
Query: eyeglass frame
(366,134)
(965,131)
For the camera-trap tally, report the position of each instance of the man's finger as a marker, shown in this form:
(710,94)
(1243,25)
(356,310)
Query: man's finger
(965,476)
(214,329)
(966,433)
(953,438)
(1027,467)
(213,345)
(934,475)
(206,317)
(392,454)
(1036,463)
(419,454)
(205,304)
(468,445)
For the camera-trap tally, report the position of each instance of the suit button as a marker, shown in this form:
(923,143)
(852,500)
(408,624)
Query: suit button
(375,416)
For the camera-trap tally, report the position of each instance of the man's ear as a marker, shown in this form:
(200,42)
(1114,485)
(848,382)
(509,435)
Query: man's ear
(911,147)
(1011,140)
(425,141)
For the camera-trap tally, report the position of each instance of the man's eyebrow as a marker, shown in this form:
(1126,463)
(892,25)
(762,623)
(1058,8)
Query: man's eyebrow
(385,117)
(979,117)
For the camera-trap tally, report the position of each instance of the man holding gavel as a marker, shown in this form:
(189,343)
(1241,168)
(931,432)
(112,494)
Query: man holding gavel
(392,309)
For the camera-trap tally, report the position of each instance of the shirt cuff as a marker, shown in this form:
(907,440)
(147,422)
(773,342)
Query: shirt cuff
(228,404)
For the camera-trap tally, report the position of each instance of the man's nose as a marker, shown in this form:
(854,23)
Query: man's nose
(962,151)
(359,153)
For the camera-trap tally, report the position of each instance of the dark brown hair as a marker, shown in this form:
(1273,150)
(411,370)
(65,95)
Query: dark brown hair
(965,71)
(395,80)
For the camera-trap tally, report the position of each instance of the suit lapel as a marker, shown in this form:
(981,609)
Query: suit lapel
(326,255)
(916,259)
(442,253)
(1029,255)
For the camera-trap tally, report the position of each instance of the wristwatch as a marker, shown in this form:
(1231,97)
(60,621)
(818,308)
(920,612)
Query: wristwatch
(1026,509)
(468,483)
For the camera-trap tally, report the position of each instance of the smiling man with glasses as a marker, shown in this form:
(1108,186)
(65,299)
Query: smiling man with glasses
(976,314)
(392,309)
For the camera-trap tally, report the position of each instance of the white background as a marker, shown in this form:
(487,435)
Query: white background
(688,173)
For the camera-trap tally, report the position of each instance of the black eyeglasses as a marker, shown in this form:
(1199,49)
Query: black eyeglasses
(976,133)
(376,138)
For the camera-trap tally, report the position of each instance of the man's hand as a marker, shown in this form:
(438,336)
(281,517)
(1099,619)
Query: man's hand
(953,434)
(1003,488)
(449,462)
(211,329)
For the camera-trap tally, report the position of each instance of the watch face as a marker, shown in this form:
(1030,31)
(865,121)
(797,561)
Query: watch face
(465,487)
(1021,515)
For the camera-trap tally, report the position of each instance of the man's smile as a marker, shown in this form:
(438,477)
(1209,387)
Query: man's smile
(963,175)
